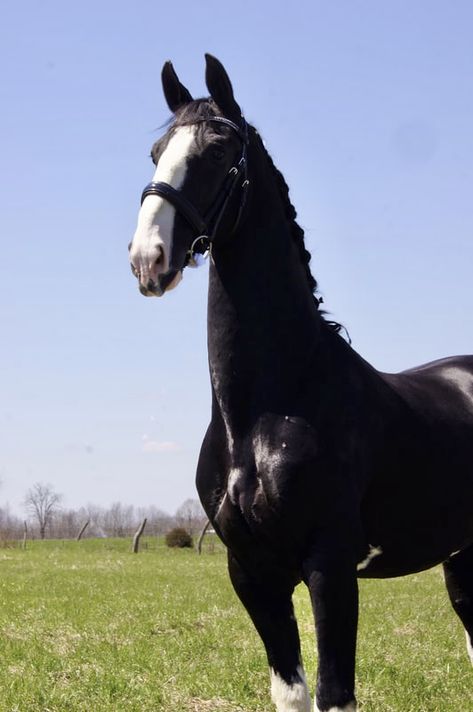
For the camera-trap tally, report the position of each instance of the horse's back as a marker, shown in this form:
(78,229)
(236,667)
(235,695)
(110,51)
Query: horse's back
(460,363)
(440,389)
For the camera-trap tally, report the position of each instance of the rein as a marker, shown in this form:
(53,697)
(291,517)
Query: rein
(207,226)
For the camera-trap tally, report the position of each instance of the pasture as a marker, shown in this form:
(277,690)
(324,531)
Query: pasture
(89,627)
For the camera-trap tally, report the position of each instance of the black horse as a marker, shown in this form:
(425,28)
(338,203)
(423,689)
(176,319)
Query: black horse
(315,466)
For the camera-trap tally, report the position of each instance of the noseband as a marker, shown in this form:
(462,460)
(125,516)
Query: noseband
(206,226)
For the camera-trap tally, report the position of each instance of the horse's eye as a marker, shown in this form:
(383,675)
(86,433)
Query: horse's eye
(218,153)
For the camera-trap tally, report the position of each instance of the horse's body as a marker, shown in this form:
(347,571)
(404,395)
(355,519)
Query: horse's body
(315,466)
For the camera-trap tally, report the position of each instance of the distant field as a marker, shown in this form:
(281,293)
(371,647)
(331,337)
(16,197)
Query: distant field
(89,627)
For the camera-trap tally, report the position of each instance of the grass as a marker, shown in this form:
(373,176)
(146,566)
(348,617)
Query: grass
(88,627)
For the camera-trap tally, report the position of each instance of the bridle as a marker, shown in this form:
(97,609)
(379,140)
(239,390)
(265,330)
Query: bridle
(207,226)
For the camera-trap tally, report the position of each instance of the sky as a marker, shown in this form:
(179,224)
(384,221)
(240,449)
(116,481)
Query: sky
(365,106)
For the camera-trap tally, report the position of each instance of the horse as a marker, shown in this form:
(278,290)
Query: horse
(315,466)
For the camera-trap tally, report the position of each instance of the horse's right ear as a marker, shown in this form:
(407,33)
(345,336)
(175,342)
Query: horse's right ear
(220,88)
(175,93)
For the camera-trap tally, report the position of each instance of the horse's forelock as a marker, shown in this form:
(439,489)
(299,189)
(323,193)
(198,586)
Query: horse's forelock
(195,110)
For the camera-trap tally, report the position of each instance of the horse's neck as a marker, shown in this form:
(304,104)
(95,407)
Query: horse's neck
(263,325)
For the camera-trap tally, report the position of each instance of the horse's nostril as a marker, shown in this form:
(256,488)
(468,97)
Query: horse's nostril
(160,258)
(151,285)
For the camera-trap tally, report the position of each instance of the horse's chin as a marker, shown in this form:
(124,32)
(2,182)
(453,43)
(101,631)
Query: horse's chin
(176,279)
(166,283)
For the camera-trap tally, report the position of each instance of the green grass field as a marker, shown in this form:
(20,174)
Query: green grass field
(87,626)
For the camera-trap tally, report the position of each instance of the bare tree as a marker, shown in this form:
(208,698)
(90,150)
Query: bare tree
(42,502)
(65,524)
(158,522)
(118,520)
(191,516)
(25,534)
(95,515)
(10,525)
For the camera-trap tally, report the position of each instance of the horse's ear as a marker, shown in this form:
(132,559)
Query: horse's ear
(220,88)
(175,93)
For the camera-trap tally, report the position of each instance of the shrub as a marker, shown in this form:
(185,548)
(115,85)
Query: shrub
(178,537)
(8,543)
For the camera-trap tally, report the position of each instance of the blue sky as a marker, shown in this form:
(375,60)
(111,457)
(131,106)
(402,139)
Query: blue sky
(366,107)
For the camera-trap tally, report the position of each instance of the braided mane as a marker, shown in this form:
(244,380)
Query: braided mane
(297,234)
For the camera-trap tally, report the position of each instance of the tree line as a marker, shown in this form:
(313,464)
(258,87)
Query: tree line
(47,517)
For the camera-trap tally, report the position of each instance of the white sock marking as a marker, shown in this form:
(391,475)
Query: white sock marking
(156,217)
(374,551)
(290,698)
(469,646)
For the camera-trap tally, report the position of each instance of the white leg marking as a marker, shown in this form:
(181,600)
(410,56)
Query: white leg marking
(350,707)
(469,646)
(153,236)
(290,698)
(374,551)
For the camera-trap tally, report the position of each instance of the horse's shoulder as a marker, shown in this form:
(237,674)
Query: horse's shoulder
(283,434)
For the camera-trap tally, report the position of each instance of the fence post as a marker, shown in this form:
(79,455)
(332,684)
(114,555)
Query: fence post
(201,537)
(79,536)
(136,538)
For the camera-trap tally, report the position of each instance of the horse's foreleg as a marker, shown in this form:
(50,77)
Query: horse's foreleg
(270,608)
(333,589)
(459,580)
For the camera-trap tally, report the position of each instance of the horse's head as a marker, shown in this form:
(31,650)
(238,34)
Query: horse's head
(200,165)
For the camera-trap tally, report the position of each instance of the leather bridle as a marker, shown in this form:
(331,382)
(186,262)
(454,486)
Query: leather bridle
(207,226)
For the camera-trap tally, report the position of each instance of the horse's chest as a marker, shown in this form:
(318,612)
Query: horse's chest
(284,453)
(270,476)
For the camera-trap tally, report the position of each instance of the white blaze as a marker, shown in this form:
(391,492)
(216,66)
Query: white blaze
(153,236)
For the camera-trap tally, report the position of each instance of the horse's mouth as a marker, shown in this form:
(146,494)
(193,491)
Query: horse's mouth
(165,283)
(150,291)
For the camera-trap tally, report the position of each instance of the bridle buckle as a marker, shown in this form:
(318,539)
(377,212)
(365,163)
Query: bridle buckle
(197,259)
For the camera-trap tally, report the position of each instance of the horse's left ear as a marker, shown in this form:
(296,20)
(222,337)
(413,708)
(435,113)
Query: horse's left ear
(175,93)
(220,88)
